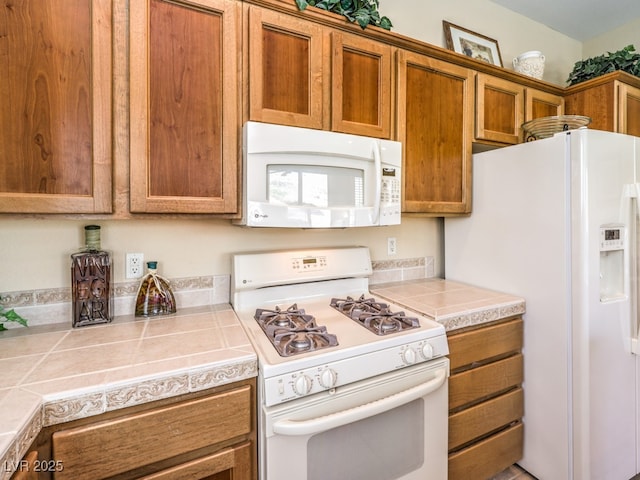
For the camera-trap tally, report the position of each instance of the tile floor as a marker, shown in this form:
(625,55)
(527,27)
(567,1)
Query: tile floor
(514,472)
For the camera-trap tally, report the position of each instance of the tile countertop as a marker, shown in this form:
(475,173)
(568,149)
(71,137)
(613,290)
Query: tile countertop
(54,374)
(455,305)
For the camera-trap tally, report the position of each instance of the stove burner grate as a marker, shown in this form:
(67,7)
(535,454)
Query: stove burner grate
(375,316)
(292,331)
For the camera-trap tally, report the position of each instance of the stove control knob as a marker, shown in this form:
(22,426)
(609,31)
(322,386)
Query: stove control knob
(427,351)
(328,378)
(302,385)
(409,356)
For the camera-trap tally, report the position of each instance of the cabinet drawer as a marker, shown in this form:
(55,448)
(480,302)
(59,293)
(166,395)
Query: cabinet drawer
(485,417)
(91,451)
(234,462)
(473,385)
(489,457)
(485,343)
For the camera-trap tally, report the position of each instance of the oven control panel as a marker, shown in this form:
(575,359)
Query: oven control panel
(309,263)
(331,376)
(252,271)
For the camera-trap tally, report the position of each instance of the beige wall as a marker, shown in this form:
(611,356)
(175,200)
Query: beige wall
(515,33)
(34,254)
(615,40)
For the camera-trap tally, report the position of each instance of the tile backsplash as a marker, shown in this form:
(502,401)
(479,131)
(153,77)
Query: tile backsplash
(403,269)
(48,306)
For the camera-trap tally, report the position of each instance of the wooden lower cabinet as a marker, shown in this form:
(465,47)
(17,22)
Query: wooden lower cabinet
(206,435)
(232,462)
(28,468)
(488,457)
(486,400)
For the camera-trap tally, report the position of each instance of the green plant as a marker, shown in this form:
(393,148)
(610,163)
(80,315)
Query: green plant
(363,12)
(10,316)
(625,60)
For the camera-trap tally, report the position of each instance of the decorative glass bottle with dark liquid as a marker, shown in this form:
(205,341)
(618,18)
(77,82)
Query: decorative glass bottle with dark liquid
(91,289)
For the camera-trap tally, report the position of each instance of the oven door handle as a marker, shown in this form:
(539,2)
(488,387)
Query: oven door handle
(334,420)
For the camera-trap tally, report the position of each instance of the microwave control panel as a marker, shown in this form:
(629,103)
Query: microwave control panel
(390,190)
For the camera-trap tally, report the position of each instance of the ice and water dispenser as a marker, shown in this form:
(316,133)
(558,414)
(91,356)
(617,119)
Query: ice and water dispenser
(612,262)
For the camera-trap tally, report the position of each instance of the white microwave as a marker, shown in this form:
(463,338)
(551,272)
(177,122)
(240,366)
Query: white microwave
(305,178)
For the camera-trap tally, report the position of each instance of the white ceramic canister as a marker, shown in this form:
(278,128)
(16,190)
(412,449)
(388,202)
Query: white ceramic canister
(530,63)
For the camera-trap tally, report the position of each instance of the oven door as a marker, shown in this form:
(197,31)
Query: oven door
(391,427)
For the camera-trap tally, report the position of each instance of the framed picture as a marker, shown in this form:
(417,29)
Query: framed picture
(472,44)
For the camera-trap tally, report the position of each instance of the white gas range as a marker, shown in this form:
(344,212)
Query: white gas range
(333,357)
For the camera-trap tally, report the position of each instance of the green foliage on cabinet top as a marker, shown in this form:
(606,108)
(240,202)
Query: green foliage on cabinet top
(625,60)
(362,12)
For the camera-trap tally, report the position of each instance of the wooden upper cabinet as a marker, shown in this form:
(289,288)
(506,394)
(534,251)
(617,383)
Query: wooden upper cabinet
(542,104)
(435,126)
(308,75)
(286,71)
(612,101)
(184,106)
(361,86)
(628,109)
(596,102)
(499,109)
(55,113)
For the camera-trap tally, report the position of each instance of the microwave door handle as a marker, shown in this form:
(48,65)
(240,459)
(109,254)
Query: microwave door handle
(378,167)
(376,407)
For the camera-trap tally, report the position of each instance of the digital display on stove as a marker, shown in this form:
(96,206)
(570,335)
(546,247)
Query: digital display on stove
(307,261)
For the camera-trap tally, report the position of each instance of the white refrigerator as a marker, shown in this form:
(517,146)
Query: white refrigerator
(554,221)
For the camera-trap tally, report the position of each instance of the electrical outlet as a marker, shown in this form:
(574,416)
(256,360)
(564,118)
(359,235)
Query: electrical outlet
(392,246)
(135,265)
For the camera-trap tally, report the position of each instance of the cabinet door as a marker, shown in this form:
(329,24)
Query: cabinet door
(499,109)
(542,104)
(286,71)
(597,102)
(628,109)
(361,86)
(55,113)
(184,101)
(435,126)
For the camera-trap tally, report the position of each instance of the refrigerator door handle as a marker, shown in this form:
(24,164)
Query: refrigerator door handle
(632,192)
